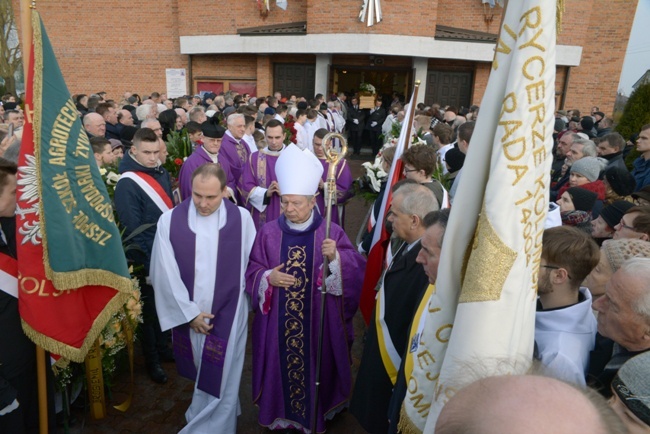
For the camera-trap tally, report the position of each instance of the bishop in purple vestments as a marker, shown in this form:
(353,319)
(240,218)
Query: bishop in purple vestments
(283,278)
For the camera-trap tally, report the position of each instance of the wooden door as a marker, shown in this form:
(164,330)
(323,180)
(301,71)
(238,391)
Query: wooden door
(449,88)
(297,79)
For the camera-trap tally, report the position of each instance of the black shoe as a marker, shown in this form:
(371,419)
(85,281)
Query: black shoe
(157,374)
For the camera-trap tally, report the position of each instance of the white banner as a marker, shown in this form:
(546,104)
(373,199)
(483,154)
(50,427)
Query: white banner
(487,279)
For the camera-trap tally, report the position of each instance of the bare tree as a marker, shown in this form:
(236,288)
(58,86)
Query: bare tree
(10,54)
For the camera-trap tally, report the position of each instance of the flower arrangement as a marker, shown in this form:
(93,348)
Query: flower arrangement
(179,147)
(290,131)
(368,185)
(367,88)
(113,339)
(110,175)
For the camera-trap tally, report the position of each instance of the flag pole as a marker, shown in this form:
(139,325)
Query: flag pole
(26,7)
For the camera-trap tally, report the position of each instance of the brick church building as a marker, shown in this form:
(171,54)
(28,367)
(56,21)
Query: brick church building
(319,46)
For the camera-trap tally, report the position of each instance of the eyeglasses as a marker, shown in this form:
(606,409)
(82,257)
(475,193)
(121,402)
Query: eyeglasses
(405,170)
(623,225)
(555,267)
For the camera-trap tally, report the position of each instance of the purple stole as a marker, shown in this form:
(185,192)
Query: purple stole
(295,318)
(225,300)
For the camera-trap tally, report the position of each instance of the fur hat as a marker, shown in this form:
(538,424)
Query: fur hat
(583,200)
(589,167)
(613,213)
(619,251)
(632,386)
(621,181)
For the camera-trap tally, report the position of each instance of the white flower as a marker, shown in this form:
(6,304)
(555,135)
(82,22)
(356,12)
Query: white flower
(112,178)
(102,171)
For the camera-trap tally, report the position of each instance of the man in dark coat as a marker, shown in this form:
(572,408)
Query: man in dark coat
(354,125)
(402,288)
(142,194)
(375,120)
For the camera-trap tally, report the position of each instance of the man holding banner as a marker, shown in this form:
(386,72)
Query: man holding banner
(142,195)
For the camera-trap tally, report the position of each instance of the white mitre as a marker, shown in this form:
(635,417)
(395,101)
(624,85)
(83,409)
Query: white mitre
(298,171)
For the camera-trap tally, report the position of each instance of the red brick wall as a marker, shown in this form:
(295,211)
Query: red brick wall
(201,17)
(114,46)
(118,46)
(606,30)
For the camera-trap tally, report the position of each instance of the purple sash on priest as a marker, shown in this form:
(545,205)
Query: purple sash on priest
(224,304)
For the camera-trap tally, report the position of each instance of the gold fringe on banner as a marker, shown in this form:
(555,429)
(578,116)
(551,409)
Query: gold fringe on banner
(95,381)
(559,14)
(128,332)
(405,425)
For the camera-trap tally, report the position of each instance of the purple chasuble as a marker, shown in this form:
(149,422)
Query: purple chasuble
(285,339)
(224,303)
(259,171)
(198,158)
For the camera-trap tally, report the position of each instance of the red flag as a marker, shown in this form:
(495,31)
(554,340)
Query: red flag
(72,271)
(381,238)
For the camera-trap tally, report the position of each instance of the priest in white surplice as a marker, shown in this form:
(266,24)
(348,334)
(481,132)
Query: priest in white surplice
(198,276)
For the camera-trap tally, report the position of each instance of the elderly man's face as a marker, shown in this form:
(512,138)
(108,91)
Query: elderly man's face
(126,118)
(18,119)
(564,146)
(400,220)
(575,153)
(429,255)
(617,319)
(297,208)
(96,125)
(237,128)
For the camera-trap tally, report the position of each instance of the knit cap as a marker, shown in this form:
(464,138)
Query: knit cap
(578,219)
(454,159)
(619,251)
(621,181)
(589,167)
(587,123)
(583,200)
(613,213)
(632,385)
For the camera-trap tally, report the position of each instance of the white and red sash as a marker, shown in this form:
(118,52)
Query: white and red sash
(9,275)
(152,188)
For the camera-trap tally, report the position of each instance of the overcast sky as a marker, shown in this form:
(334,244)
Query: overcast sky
(637,57)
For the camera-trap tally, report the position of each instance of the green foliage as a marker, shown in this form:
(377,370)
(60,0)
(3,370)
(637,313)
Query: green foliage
(179,147)
(636,113)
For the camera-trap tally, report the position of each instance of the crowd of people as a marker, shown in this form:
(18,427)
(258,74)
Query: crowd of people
(242,229)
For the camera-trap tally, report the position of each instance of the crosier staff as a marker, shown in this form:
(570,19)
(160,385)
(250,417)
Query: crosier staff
(334,158)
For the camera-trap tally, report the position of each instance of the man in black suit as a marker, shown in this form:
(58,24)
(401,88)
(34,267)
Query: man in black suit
(375,120)
(402,288)
(354,125)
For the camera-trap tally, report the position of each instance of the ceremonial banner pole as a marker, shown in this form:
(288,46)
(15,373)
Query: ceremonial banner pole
(41,375)
(379,245)
(66,297)
(334,158)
